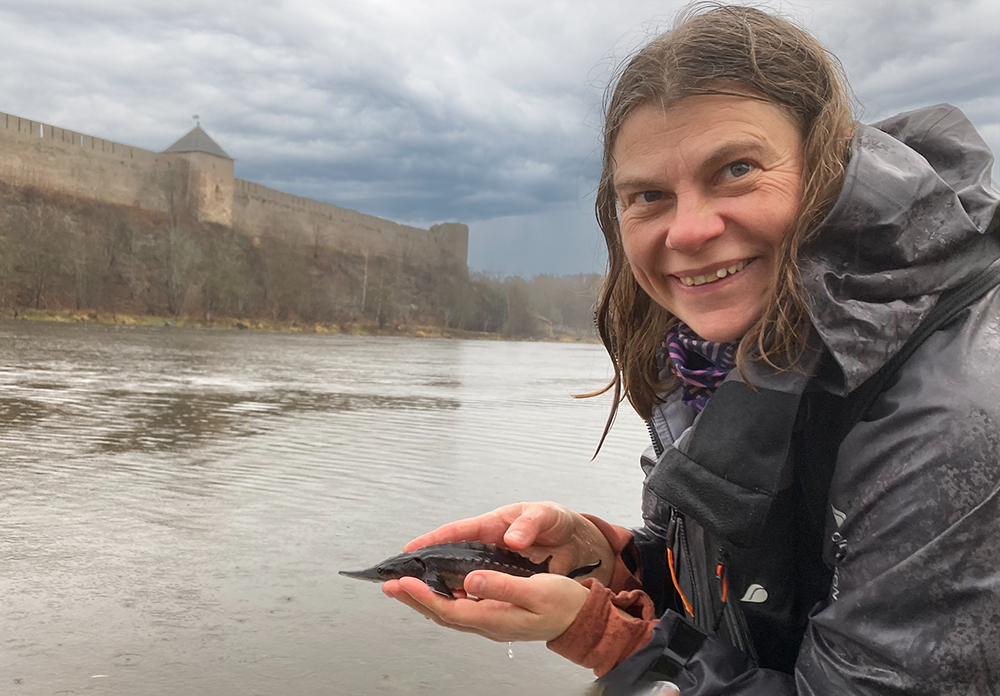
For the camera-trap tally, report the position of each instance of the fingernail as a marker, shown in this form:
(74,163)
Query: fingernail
(475,584)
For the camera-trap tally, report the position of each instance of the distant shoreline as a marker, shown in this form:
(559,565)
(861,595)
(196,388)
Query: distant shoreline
(354,328)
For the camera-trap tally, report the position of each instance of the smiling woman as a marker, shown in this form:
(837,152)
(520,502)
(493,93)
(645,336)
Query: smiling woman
(805,310)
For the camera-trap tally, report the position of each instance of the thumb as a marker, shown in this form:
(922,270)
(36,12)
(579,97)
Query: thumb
(522,532)
(535,519)
(491,584)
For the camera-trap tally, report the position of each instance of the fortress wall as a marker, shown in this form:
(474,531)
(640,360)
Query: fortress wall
(56,159)
(260,211)
(59,160)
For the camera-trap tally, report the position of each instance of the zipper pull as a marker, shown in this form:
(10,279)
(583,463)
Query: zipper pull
(671,563)
(671,535)
(723,576)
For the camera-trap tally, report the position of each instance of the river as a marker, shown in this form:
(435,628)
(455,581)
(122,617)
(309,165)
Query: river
(175,503)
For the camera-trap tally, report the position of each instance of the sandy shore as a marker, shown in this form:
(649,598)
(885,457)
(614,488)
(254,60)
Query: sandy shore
(358,328)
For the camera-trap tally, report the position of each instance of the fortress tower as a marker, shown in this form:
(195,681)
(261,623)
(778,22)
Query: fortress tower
(209,176)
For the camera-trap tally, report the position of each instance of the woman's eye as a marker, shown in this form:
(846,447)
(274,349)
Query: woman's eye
(738,169)
(650,196)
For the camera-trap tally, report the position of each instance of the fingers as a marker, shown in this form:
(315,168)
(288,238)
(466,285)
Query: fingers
(509,608)
(537,594)
(516,526)
(488,528)
(540,607)
(408,596)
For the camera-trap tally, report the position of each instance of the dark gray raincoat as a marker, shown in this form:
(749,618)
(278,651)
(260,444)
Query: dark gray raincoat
(867,563)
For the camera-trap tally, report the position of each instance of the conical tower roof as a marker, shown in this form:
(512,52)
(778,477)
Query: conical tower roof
(198,141)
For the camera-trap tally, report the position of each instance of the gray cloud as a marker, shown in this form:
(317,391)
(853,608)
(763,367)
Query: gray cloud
(421,112)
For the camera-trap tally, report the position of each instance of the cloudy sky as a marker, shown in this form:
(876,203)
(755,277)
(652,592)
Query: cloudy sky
(423,111)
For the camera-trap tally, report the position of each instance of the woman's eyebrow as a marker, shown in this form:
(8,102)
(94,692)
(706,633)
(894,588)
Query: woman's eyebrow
(732,151)
(637,184)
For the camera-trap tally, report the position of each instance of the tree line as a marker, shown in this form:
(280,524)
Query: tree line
(65,253)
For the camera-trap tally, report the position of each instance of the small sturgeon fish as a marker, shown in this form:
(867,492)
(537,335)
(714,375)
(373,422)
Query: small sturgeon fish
(444,566)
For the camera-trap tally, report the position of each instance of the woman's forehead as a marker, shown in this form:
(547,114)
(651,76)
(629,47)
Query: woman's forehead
(703,128)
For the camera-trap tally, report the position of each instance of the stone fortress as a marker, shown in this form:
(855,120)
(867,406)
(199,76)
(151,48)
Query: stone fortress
(196,174)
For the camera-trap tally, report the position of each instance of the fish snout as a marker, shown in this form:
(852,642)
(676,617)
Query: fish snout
(370,574)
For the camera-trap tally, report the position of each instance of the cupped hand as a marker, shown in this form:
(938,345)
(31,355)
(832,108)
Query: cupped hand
(536,530)
(501,607)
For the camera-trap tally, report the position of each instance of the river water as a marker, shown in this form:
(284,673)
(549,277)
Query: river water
(175,503)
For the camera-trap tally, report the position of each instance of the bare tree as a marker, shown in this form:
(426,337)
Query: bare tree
(40,233)
(366,254)
(178,259)
(225,273)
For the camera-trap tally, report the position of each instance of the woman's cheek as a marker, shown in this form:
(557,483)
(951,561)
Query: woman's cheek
(637,242)
(628,235)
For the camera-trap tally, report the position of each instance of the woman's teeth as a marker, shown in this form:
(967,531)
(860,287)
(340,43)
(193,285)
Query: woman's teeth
(712,277)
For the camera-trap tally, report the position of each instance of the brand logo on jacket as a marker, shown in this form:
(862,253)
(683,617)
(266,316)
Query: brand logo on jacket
(755,594)
(841,545)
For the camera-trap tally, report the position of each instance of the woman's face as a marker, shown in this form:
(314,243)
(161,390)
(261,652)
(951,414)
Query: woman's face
(707,190)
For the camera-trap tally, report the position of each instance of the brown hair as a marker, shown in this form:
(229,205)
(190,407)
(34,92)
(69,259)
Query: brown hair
(712,46)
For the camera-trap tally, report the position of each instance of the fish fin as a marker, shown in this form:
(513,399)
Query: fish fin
(584,569)
(437,583)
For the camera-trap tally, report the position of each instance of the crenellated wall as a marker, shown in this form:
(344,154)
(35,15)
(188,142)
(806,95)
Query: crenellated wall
(56,159)
(52,158)
(260,211)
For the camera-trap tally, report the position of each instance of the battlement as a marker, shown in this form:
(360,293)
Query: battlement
(260,211)
(57,159)
(47,157)
(248,190)
(26,129)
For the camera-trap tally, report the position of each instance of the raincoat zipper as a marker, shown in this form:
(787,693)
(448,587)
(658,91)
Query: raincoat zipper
(655,437)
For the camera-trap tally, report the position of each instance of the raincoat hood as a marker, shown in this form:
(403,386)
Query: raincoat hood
(915,217)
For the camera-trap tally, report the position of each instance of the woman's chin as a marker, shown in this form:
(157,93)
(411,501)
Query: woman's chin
(721,329)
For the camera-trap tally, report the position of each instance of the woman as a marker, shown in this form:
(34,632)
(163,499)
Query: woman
(800,306)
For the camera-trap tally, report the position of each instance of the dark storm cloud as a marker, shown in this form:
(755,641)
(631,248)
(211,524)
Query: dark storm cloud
(902,55)
(421,112)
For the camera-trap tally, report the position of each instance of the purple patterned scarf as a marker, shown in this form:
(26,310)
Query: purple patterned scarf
(700,365)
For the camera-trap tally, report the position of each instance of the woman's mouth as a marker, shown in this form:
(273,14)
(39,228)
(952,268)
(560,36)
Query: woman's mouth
(714,276)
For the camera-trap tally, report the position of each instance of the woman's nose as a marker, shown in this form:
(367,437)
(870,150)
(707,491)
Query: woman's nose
(695,222)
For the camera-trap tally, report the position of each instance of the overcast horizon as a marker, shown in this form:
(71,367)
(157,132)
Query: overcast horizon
(435,111)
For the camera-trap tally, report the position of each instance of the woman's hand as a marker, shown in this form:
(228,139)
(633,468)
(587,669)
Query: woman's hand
(509,608)
(505,608)
(535,530)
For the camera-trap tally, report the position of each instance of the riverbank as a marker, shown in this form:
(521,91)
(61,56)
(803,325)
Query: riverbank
(356,328)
